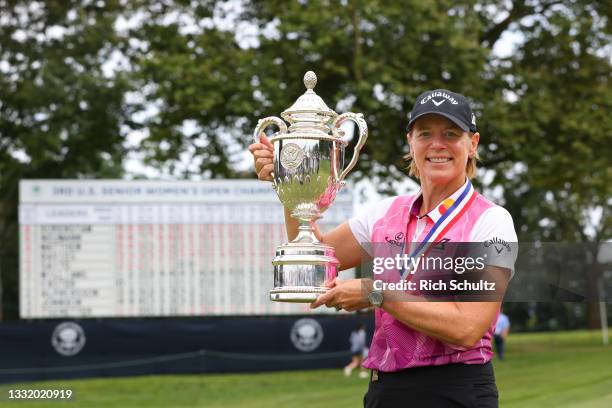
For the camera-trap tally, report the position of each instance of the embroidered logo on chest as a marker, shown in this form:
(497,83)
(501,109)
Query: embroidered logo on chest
(396,240)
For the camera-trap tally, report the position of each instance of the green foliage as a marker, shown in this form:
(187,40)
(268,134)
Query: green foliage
(198,81)
(200,74)
(559,128)
(380,55)
(542,111)
(60,115)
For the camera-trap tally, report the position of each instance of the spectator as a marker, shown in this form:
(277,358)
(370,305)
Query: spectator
(358,350)
(502,328)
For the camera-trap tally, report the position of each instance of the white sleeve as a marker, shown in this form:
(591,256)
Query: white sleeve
(495,229)
(363,223)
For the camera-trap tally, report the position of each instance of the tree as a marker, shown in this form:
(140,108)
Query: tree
(198,80)
(542,110)
(557,130)
(375,57)
(60,112)
(200,74)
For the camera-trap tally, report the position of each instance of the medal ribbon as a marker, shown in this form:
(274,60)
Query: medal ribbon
(444,223)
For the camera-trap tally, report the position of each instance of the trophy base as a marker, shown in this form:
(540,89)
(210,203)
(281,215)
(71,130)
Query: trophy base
(296,295)
(301,270)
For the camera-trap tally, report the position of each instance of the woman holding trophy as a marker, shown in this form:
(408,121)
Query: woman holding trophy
(423,353)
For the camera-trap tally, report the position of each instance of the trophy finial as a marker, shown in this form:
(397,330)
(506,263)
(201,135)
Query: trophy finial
(308,108)
(310,80)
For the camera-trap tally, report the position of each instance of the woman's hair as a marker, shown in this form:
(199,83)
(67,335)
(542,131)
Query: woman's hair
(470,167)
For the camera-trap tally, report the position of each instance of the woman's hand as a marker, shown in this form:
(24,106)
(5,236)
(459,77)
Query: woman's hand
(350,295)
(263,156)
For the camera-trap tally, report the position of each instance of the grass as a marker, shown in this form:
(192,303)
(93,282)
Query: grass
(563,369)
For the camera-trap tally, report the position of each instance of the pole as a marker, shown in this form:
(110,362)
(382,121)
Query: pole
(604,322)
(603,313)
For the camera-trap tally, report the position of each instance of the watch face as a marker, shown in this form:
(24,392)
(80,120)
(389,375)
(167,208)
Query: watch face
(375,298)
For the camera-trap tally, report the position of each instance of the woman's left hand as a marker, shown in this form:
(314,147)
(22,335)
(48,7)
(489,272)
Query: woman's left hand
(350,295)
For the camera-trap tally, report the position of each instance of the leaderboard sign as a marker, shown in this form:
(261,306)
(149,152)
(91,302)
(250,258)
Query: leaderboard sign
(110,248)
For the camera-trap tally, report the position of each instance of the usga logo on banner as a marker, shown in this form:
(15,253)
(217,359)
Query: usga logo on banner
(306,334)
(68,338)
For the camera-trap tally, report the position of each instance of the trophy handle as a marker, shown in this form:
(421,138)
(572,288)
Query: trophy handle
(262,124)
(363,136)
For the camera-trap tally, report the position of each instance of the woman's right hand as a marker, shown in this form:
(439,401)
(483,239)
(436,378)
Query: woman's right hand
(263,156)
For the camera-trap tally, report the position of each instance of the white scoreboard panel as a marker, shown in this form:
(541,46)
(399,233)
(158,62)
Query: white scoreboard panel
(112,248)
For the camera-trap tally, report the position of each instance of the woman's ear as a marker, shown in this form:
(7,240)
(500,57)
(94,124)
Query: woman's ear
(474,144)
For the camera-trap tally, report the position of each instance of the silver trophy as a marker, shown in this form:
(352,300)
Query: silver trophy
(308,172)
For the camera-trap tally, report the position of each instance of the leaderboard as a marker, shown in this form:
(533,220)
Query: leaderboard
(114,248)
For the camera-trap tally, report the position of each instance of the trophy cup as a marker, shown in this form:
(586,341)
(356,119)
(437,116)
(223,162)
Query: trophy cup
(308,172)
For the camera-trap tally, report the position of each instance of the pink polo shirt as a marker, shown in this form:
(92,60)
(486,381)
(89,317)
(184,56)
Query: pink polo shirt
(396,346)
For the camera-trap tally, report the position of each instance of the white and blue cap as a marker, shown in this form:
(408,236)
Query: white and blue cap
(453,106)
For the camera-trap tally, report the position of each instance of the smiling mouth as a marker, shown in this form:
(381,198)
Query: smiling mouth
(439,159)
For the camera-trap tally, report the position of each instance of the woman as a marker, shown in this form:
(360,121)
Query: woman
(424,354)
(358,350)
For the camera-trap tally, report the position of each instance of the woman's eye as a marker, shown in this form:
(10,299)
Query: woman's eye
(424,134)
(451,134)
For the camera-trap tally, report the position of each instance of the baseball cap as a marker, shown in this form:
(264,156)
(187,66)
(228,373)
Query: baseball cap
(453,106)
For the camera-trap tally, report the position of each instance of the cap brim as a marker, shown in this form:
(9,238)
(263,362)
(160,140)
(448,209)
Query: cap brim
(452,118)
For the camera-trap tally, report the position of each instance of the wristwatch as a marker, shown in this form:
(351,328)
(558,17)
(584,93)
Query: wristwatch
(375,298)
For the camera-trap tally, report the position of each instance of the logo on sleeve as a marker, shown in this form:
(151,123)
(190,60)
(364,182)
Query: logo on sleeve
(499,244)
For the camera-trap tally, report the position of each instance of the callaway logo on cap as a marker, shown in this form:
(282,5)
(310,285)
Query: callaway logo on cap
(451,105)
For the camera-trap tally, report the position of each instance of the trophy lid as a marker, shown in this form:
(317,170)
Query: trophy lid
(308,106)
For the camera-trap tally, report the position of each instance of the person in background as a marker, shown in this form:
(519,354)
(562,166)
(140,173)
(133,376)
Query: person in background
(358,347)
(502,328)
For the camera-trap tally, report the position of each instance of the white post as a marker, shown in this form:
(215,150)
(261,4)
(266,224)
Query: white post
(604,322)
(603,313)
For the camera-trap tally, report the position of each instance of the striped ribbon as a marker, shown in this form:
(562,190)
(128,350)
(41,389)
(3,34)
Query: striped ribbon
(441,227)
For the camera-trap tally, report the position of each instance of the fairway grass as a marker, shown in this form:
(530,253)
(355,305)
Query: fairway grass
(563,369)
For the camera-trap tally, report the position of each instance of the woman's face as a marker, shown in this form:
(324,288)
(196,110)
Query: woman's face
(440,149)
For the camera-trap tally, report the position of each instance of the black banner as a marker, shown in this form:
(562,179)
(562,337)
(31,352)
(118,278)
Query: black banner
(63,349)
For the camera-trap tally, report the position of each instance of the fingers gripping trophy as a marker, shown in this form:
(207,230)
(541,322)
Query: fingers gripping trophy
(308,172)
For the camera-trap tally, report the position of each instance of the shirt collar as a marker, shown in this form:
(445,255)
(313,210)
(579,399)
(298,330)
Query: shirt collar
(441,208)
